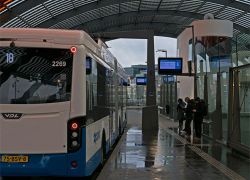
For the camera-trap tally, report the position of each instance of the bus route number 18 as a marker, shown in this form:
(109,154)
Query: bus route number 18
(9,58)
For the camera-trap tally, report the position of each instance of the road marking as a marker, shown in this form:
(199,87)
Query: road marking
(218,165)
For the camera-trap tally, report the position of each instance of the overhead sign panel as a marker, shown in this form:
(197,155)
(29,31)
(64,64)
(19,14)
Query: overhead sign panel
(169,66)
(141,81)
(169,79)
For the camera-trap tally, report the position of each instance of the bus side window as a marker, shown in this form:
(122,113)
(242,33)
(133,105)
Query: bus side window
(88,65)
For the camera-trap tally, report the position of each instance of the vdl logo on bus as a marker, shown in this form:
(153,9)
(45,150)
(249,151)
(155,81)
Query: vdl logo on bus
(97,136)
(12,115)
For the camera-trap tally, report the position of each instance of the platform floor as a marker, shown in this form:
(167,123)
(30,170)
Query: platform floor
(166,155)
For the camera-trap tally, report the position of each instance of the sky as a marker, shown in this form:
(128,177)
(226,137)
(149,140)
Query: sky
(134,51)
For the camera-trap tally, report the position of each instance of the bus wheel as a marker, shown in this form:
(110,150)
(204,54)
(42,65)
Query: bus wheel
(7,178)
(103,150)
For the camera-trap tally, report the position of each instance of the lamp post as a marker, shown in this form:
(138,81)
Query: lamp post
(194,59)
(164,102)
(163,50)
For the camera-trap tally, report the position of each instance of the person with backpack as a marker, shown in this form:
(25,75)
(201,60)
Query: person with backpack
(200,110)
(180,113)
(188,115)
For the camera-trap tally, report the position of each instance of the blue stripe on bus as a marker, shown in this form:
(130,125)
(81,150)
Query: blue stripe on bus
(55,164)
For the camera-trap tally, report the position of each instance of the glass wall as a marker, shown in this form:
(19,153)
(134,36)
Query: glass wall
(223,81)
(169,96)
(213,60)
(240,113)
(244,101)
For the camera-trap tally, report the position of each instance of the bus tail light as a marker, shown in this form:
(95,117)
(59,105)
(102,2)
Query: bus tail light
(74,164)
(75,126)
(73,49)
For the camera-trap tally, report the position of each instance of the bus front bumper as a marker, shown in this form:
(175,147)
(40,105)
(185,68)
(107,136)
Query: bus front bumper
(46,165)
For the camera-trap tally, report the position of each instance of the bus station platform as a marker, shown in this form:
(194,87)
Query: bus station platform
(166,155)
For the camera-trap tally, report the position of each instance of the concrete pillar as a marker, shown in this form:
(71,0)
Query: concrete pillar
(151,89)
(150,112)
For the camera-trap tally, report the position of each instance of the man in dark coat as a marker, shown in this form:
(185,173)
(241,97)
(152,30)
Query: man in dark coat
(180,113)
(198,116)
(189,116)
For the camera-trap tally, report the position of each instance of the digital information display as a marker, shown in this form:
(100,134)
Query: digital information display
(141,80)
(221,61)
(170,66)
(169,79)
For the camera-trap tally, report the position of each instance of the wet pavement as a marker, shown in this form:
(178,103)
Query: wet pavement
(150,155)
(166,155)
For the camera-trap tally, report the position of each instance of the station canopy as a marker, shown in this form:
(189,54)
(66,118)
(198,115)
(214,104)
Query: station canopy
(164,17)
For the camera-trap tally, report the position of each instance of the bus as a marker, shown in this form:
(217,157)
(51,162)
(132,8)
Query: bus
(62,102)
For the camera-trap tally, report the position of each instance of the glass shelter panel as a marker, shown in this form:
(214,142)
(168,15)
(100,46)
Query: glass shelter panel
(213,60)
(244,100)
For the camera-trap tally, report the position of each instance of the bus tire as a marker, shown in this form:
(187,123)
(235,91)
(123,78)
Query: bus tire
(103,149)
(7,178)
(12,178)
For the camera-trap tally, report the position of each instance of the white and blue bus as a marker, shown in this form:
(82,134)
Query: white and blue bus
(62,102)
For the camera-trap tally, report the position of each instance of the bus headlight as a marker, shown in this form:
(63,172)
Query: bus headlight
(74,134)
(74,143)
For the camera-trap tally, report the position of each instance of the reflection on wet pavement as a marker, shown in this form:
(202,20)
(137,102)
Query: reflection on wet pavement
(163,155)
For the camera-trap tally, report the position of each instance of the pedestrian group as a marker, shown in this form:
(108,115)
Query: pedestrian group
(191,109)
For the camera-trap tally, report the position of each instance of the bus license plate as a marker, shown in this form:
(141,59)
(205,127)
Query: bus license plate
(15,159)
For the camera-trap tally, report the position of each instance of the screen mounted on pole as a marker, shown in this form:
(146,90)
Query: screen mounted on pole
(169,66)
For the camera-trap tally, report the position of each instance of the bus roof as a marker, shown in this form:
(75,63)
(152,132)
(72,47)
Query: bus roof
(56,35)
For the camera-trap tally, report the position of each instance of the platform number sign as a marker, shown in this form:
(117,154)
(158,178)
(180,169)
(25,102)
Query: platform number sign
(9,58)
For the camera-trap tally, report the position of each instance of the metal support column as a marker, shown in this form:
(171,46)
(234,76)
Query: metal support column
(116,97)
(230,105)
(217,121)
(161,101)
(171,103)
(167,96)
(195,62)
(164,98)
(236,109)
(206,89)
(176,98)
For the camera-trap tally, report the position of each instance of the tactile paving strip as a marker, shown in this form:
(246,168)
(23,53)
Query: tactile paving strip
(218,165)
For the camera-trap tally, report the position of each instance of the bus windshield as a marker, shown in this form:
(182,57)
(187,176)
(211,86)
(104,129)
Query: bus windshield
(35,75)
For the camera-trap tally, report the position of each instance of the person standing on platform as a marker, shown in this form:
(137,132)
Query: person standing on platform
(180,113)
(189,116)
(199,113)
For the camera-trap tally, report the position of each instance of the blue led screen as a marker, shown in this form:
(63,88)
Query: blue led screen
(141,80)
(172,66)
